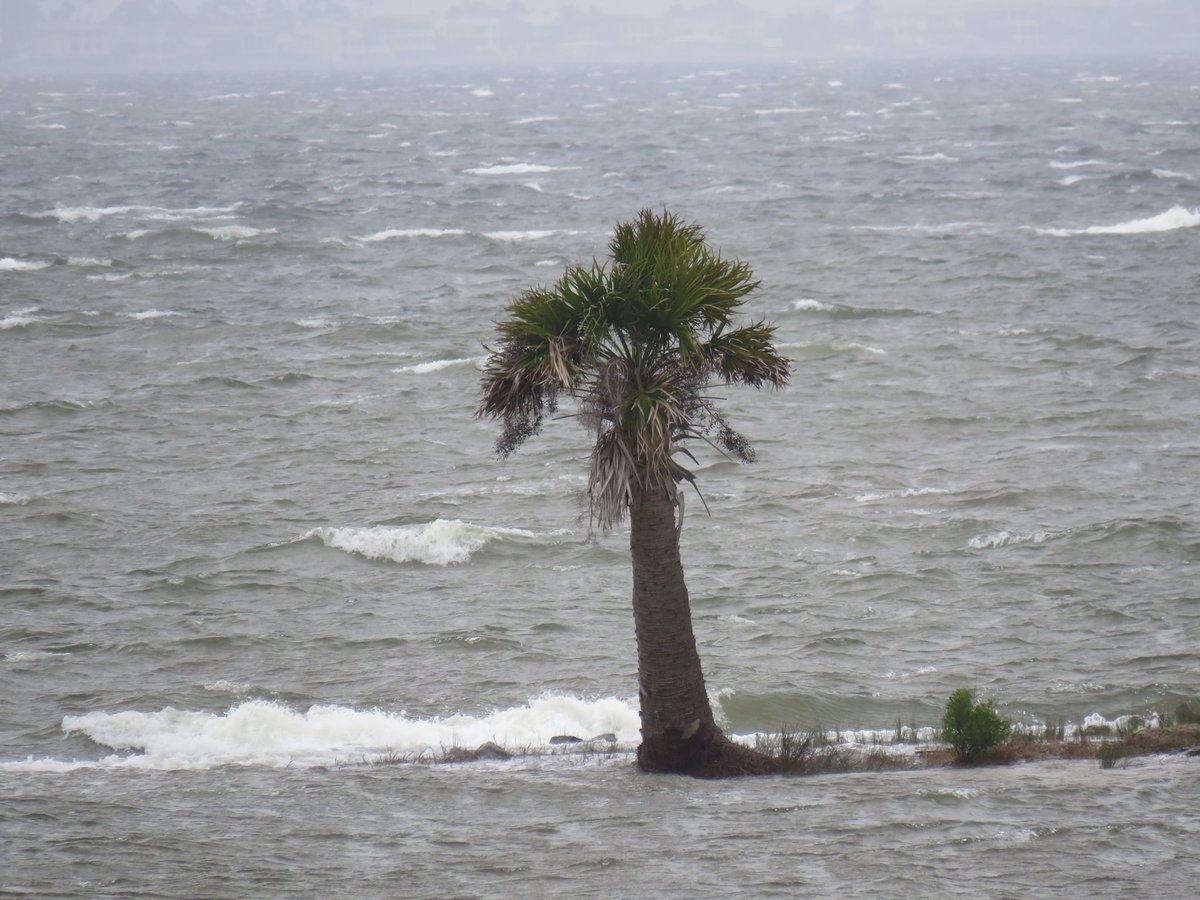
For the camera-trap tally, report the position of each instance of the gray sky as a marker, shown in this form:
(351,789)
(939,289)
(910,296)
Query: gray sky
(650,7)
(96,36)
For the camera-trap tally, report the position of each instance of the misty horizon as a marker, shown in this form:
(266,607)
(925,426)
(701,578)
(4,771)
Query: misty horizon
(158,36)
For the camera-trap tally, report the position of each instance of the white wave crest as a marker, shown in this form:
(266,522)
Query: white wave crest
(29,656)
(20,318)
(938,228)
(517,236)
(435,365)
(70,215)
(785,110)
(437,543)
(1168,175)
(854,346)
(153,314)
(928,157)
(1174,218)
(14,499)
(234,232)
(393,233)
(810,305)
(1000,539)
(875,496)
(530,120)
(264,733)
(9,264)
(517,169)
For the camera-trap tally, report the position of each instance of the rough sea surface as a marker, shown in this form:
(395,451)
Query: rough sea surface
(257,556)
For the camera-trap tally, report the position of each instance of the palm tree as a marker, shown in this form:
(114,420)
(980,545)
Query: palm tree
(637,342)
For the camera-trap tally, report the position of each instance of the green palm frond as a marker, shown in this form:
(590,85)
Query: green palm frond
(636,341)
(747,355)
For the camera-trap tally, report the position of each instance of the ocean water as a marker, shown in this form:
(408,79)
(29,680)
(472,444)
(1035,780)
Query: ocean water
(258,561)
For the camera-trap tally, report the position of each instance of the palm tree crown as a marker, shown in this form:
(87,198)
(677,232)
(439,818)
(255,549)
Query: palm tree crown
(637,342)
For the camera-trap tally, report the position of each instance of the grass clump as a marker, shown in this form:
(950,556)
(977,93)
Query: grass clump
(973,730)
(792,752)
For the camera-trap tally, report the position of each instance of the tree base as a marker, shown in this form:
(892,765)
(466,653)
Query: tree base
(706,754)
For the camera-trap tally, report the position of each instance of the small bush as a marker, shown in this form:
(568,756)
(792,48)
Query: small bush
(792,752)
(789,750)
(1110,752)
(973,729)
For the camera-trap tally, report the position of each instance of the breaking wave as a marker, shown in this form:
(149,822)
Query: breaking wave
(1174,218)
(393,233)
(517,169)
(436,365)
(265,733)
(69,215)
(437,543)
(9,264)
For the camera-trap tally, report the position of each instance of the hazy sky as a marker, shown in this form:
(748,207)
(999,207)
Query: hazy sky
(79,35)
(659,7)
(652,7)
(777,7)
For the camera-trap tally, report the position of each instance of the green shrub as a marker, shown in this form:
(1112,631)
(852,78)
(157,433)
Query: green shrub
(1111,752)
(973,729)
(789,750)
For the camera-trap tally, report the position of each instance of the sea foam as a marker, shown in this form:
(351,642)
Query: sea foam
(9,264)
(999,539)
(70,215)
(265,733)
(436,365)
(19,318)
(234,232)
(927,157)
(905,493)
(810,305)
(785,110)
(1174,218)
(437,543)
(517,236)
(517,169)
(389,234)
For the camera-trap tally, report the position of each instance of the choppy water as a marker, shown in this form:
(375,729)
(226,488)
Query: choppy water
(252,540)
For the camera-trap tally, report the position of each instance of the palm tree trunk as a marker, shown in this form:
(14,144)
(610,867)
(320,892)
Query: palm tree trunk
(678,730)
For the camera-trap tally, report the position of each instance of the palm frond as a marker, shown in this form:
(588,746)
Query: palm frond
(747,355)
(613,478)
(636,341)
